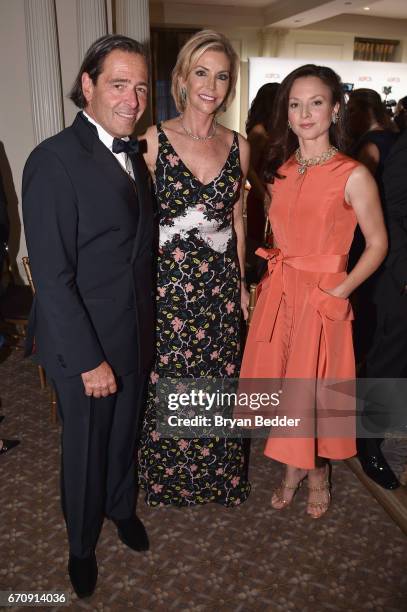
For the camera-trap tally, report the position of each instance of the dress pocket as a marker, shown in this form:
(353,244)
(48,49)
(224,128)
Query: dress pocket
(331,306)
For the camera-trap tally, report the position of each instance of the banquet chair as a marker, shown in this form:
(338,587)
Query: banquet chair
(53,407)
(252,302)
(15,306)
(15,302)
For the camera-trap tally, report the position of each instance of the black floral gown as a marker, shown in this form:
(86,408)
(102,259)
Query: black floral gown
(198,322)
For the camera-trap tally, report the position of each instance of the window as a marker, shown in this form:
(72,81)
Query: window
(375,49)
(165,46)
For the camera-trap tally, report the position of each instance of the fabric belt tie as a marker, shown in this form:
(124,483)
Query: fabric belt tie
(275,262)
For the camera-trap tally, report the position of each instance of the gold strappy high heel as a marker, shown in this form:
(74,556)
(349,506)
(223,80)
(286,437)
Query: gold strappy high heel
(321,506)
(280,499)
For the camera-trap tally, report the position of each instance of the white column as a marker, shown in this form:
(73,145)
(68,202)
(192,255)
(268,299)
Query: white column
(133,19)
(92,23)
(43,66)
(272,39)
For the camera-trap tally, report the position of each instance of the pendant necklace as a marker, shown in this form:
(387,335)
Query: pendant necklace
(202,138)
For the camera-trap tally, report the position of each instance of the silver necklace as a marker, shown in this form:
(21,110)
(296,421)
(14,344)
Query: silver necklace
(195,137)
(303,163)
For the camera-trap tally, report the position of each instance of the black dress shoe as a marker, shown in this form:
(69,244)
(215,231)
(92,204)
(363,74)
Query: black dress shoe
(132,533)
(8,445)
(375,465)
(83,574)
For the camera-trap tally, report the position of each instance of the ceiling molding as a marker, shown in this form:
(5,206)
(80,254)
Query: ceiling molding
(360,25)
(335,15)
(306,12)
(182,14)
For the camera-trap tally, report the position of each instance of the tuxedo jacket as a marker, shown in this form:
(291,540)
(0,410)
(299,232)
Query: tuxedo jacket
(395,188)
(89,231)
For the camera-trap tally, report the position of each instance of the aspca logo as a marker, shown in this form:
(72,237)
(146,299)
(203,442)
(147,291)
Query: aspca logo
(365,78)
(393,80)
(273,75)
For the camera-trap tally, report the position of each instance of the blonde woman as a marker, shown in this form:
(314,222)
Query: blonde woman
(198,167)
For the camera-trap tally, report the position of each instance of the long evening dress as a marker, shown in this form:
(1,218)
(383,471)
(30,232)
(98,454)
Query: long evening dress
(298,330)
(198,328)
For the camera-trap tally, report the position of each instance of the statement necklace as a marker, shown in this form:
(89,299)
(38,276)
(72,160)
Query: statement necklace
(195,137)
(303,163)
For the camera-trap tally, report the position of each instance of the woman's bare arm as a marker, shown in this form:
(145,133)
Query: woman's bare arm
(362,194)
(239,225)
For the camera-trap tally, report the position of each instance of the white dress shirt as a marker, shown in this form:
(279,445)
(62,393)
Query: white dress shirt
(107,140)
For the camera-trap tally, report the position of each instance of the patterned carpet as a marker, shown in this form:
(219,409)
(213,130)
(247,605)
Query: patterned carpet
(249,559)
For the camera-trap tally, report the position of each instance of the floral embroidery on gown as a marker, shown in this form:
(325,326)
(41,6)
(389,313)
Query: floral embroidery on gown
(198,328)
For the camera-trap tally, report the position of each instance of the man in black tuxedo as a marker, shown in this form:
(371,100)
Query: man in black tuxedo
(88,223)
(388,355)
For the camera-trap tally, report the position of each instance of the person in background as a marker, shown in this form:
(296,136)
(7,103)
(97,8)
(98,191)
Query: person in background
(400,114)
(387,358)
(4,231)
(373,138)
(199,168)
(4,235)
(258,130)
(301,326)
(7,445)
(371,131)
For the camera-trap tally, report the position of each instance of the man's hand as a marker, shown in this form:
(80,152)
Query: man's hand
(99,382)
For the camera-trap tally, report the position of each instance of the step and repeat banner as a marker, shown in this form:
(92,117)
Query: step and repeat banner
(374,75)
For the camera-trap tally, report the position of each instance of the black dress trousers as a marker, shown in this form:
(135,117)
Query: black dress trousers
(387,357)
(98,472)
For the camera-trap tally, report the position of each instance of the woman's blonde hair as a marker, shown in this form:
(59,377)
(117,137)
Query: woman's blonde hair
(194,48)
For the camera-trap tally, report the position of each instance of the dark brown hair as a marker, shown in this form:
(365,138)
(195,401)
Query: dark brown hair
(400,118)
(283,140)
(261,109)
(369,108)
(94,60)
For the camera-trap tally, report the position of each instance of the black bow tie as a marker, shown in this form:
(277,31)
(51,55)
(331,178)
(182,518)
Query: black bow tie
(125,146)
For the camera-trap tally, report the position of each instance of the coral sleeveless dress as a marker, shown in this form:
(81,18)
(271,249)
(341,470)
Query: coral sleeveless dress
(298,330)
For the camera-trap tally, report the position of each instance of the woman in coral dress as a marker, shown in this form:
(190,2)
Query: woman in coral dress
(301,327)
